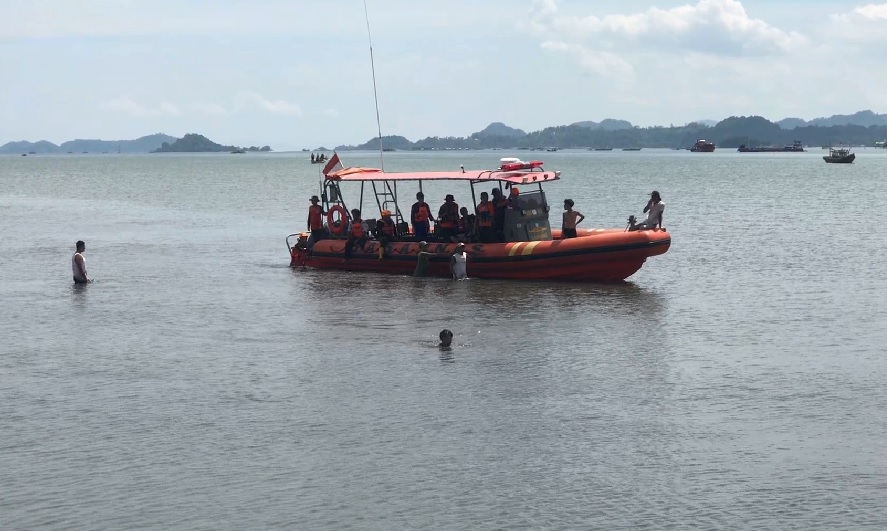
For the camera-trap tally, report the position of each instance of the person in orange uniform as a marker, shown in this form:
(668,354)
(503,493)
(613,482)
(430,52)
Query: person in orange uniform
(315,222)
(447,217)
(420,217)
(500,203)
(357,233)
(486,213)
(386,231)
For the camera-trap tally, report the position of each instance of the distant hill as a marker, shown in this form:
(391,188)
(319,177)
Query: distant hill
(194,143)
(727,134)
(607,124)
(499,129)
(863,118)
(144,144)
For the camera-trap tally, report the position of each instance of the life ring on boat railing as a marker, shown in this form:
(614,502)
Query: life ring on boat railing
(338,227)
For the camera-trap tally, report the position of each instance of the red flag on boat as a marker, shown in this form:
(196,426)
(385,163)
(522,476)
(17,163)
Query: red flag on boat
(333,165)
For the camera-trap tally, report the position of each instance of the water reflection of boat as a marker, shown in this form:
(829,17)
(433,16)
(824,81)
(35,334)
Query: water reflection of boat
(839,156)
(703,146)
(531,250)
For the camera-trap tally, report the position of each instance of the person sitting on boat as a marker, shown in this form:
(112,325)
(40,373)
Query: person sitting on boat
(500,203)
(357,233)
(315,222)
(447,216)
(485,214)
(466,226)
(312,158)
(386,231)
(571,219)
(654,210)
(459,263)
(420,217)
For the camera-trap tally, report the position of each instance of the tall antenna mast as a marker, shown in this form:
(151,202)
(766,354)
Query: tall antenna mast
(375,94)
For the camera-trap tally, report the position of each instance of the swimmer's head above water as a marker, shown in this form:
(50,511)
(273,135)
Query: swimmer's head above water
(446,337)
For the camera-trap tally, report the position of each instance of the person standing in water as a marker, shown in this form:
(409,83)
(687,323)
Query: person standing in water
(78,264)
(459,263)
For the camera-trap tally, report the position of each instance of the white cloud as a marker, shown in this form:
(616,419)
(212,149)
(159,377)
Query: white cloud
(598,62)
(718,27)
(872,11)
(273,106)
(208,108)
(127,105)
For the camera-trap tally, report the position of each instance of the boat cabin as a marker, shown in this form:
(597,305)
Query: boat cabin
(525,219)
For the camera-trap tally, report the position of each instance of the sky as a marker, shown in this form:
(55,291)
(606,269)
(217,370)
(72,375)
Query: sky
(297,74)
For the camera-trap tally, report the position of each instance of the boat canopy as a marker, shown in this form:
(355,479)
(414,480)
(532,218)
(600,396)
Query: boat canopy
(375,174)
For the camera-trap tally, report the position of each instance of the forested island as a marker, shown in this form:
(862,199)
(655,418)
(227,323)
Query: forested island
(860,129)
(194,143)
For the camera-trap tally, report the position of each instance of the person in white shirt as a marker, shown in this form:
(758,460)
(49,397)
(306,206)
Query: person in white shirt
(78,264)
(459,263)
(654,210)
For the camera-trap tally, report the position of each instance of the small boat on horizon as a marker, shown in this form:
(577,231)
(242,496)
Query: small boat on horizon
(795,147)
(703,146)
(840,155)
(631,149)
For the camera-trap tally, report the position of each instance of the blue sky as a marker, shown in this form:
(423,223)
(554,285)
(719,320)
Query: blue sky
(296,73)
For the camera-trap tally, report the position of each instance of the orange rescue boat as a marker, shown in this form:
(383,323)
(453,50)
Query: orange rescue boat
(531,250)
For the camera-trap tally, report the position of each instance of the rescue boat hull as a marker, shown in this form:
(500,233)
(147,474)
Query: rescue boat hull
(596,255)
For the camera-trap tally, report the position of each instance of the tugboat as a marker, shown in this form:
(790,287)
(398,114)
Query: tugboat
(703,146)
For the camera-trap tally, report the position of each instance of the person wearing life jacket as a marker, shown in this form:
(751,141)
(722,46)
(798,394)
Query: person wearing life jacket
(447,216)
(420,217)
(499,204)
(513,201)
(386,232)
(466,227)
(315,222)
(486,212)
(357,233)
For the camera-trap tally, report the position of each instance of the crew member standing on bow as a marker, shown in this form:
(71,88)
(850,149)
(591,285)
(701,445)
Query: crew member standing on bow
(420,217)
(485,215)
(315,222)
(447,217)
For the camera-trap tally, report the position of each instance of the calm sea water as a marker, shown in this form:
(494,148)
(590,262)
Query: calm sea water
(736,382)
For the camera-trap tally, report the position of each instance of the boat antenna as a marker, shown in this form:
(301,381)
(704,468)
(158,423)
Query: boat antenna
(375,94)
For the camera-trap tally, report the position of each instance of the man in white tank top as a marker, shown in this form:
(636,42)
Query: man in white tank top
(459,263)
(78,265)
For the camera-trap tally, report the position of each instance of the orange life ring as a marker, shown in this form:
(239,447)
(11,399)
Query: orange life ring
(337,227)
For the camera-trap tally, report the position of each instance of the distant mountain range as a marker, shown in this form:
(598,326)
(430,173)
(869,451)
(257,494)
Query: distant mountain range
(156,143)
(144,144)
(861,128)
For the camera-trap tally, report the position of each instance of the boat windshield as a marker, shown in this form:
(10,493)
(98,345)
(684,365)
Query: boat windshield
(531,200)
